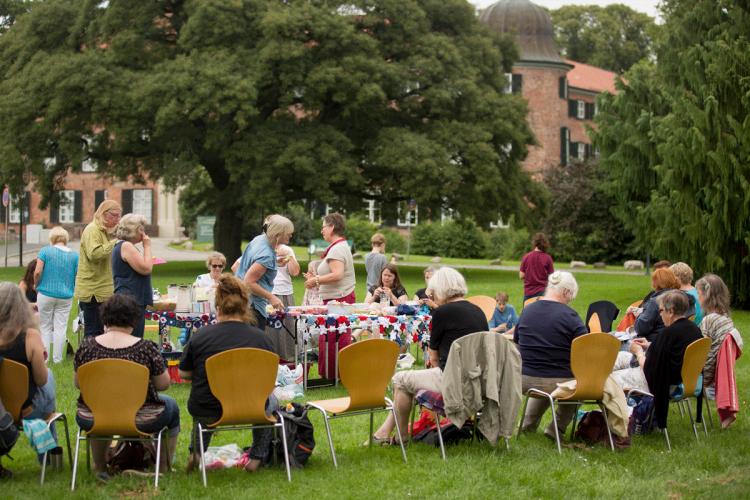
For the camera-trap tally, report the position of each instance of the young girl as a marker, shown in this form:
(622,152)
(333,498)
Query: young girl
(312,295)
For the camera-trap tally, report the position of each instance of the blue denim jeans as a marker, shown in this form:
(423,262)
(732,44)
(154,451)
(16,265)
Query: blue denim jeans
(44,403)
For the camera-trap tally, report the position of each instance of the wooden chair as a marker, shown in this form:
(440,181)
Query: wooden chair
(242,380)
(531,300)
(485,303)
(114,390)
(592,357)
(14,390)
(366,369)
(595,326)
(693,362)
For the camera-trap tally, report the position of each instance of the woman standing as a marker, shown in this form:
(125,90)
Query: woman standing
(131,269)
(536,266)
(336,271)
(94,278)
(258,265)
(55,276)
(286,267)
(216,262)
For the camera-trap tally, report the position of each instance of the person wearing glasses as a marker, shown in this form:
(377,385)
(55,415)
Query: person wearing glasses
(215,263)
(94,282)
(335,274)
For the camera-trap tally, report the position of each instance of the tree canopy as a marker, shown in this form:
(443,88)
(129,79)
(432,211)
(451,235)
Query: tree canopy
(614,37)
(676,142)
(274,101)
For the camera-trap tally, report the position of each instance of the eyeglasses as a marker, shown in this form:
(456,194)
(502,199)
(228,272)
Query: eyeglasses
(217,266)
(662,310)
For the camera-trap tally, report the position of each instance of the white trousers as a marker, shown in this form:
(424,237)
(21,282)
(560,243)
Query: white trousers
(53,323)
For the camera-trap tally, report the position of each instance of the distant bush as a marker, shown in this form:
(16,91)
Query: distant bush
(394,242)
(511,243)
(459,239)
(360,230)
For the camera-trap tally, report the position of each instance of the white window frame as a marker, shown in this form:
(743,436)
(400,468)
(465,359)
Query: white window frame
(414,216)
(88,165)
(141,197)
(581,110)
(66,211)
(372,208)
(446,215)
(500,224)
(581,152)
(14,214)
(509,83)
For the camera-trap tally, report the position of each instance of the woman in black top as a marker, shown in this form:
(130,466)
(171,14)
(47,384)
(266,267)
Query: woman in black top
(454,318)
(27,283)
(233,331)
(131,269)
(389,286)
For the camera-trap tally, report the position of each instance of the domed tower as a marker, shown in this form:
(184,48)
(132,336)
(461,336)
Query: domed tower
(539,75)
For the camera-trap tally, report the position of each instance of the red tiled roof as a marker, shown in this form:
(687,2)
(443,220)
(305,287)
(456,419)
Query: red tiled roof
(591,78)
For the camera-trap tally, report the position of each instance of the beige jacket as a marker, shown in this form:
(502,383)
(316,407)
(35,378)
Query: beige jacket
(483,372)
(613,399)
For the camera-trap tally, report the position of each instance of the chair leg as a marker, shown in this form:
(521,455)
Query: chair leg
(554,424)
(44,467)
(67,440)
(158,459)
(203,455)
(286,450)
(682,410)
(390,406)
(88,456)
(75,461)
(573,427)
(328,433)
(606,422)
(371,427)
(708,411)
(523,414)
(440,434)
(666,438)
(692,422)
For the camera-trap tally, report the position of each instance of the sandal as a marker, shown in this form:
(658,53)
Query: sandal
(386,441)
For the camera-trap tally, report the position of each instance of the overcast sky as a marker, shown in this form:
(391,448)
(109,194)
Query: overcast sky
(647,6)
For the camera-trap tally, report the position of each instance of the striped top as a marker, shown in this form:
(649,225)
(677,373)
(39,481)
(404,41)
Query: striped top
(59,274)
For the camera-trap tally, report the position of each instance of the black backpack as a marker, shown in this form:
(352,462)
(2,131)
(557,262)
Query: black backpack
(300,438)
(8,430)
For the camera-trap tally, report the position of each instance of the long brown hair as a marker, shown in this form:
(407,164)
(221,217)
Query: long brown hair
(15,313)
(394,270)
(28,275)
(232,298)
(716,297)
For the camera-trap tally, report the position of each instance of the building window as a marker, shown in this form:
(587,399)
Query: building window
(500,224)
(66,208)
(373,211)
(14,215)
(508,83)
(581,111)
(407,217)
(562,87)
(142,203)
(89,165)
(446,215)
(564,145)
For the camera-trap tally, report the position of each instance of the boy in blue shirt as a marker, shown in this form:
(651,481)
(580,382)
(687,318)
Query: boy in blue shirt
(504,318)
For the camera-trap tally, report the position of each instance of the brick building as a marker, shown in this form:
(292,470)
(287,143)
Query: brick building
(561,94)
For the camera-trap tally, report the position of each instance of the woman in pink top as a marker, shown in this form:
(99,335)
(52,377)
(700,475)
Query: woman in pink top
(536,266)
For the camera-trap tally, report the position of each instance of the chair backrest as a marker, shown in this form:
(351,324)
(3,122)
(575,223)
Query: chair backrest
(242,379)
(592,357)
(14,387)
(485,303)
(366,368)
(693,362)
(637,303)
(114,390)
(606,312)
(595,326)
(531,300)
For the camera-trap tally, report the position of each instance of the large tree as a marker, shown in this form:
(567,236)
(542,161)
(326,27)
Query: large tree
(676,140)
(613,37)
(275,101)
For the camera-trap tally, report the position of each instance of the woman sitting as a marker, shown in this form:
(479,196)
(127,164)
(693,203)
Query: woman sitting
(661,360)
(713,296)
(215,263)
(421,294)
(454,318)
(544,335)
(120,314)
(231,332)
(649,324)
(684,275)
(27,283)
(388,288)
(20,341)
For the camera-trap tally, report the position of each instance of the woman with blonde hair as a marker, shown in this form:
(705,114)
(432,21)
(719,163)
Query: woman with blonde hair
(94,277)
(684,275)
(20,341)
(55,278)
(258,264)
(131,269)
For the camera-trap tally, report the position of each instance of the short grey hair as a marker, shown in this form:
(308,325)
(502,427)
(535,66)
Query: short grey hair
(563,283)
(129,226)
(275,226)
(674,300)
(447,283)
(215,256)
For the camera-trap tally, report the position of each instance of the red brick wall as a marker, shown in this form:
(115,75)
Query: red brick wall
(577,127)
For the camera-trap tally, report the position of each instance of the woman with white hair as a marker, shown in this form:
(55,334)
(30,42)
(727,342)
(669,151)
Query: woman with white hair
(131,269)
(55,280)
(453,319)
(258,265)
(544,334)
(94,278)
(215,263)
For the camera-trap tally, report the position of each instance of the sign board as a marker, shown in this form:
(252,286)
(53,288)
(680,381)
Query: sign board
(6,197)
(204,231)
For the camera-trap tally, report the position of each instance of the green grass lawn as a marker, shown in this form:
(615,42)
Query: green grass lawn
(716,467)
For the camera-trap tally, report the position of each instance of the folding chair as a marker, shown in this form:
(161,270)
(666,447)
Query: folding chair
(14,389)
(114,390)
(592,357)
(485,303)
(366,369)
(693,362)
(242,380)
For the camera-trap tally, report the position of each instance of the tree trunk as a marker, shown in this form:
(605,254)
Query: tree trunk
(228,229)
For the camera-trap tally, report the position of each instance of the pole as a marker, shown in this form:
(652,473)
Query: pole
(21,205)
(7,212)
(408,230)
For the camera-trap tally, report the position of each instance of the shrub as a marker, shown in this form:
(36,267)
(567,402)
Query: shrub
(305,228)
(360,230)
(426,239)
(394,241)
(511,243)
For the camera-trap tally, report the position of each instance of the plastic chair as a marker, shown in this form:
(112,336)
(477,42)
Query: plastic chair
(366,369)
(485,303)
(595,326)
(693,362)
(592,357)
(242,379)
(14,390)
(531,300)
(114,390)
(606,313)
